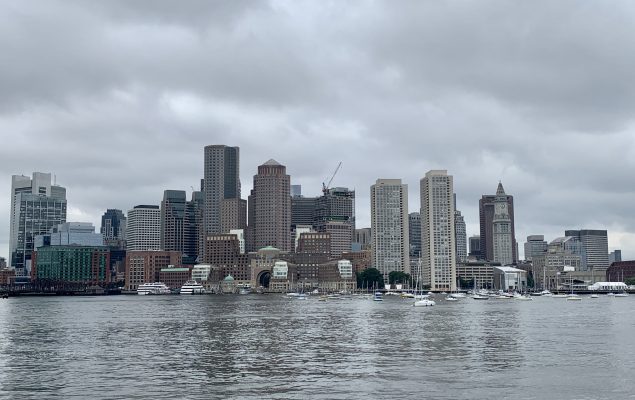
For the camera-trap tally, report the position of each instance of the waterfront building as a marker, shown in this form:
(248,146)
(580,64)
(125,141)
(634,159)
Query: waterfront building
(270,207)
(262,263)
(502,238)
(363,239)
(536,245)
(222,252)
(620,271)
(336,276)
(509,279)
(475,274)
(78,233)
(37,205)
(361,260)
(475,247)
(7,276)
(113,228)
(615,256)
(221,181)
(201,273)
(437,231)
(414,234)
(143,230)
(145,266)
(594,251)
(561,256)
(315,243)
(486,206)
(88,265)
(460,234)
(175,277)
(389,224)
(335,214)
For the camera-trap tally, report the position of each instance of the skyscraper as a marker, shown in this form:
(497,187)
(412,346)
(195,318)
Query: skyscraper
(143,231)
(270,207)
(36,207)
(460,235)
(475,246)
(113,228)
(414,234)
(594,247)
(173,220)
(486,217)
(536,245)
(503,241)
(221,181)
(437,230)
(335,214)
(389,226)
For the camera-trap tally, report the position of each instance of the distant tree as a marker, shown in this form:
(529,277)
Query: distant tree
(369,278)
(398,277)
(630,281)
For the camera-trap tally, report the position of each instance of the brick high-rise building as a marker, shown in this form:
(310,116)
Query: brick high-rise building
(221,181)
(270,208)
(486,208)
(233,214)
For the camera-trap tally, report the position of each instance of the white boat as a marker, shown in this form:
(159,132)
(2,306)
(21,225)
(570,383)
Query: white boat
(378,297)
(153,288)
(192,287)
(594,296)
(560,296)
(458,295)
(610,294)
(546,293)
(522,297)
(451,298)
(480,297)
(623,294)
(424,303)
(574,297)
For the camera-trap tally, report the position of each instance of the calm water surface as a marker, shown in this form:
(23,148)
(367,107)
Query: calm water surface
(255,346)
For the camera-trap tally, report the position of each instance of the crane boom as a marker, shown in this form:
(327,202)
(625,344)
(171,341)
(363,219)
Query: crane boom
(325,188)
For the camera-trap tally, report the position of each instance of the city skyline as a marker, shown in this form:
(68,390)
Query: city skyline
(117,130)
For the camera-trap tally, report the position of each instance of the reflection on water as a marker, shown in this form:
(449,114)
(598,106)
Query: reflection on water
(270,346)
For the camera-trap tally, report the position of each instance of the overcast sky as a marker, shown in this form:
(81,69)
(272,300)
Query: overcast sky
(118,99)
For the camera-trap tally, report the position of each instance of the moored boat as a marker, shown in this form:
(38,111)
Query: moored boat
(192,287)
(153,288)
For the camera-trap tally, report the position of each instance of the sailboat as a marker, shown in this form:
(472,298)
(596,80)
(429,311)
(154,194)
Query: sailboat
(573,296)
(424,302)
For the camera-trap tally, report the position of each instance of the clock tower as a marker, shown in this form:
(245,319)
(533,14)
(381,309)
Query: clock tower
(502,229)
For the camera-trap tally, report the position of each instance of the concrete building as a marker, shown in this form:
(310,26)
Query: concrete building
(233,214)
(476,274)
(509,279)
(475,247)
(486,206)
(615,256)
(561,256)
(535,245)
(414,234)
(145,266)
(363,239)
(88,265)
(37,205)
(389,224)
(460,234)
(594,248)
(503,240)
(437,231)
(201,273)
(143,231)
(335,214)
(113,228)
(221,181)
(270,207)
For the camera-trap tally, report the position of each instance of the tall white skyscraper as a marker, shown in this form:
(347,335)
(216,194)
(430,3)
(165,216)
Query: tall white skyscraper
(437,231)
(143,231)
(503,240)
(37,205)
(389,226)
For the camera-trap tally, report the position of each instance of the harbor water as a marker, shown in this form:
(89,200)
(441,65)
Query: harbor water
(269,346)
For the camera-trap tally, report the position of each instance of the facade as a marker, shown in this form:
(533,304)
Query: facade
(174,277)
(222,252)
(36,207)
(302,210)
(594,247)
(486,206)
(201,273)
(460,234)
(414,234)
(194,248)
(475,247)
(174,221)
(296,190)
(77,233)
(615,256)
(389,224)
(620,271)
(7,276)
(509,279)
(270,207)
(476,274)
(535,245)
(145,266)
(561,256)
(233,214)
(503,241)
(363,239)
(89,265)
(143,231)
(437,231)
(335,214)
(221,181)
(299,230)
(113,228)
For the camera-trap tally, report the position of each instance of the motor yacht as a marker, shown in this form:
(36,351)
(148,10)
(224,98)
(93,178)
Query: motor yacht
(192,287)
(153,288)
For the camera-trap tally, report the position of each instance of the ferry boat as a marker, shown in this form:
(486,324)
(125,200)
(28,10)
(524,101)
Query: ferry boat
(192,287)
(153,288)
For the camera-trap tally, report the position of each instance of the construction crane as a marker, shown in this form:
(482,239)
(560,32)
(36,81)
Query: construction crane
(325,188)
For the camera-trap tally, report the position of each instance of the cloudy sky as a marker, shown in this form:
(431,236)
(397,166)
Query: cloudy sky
(118,99)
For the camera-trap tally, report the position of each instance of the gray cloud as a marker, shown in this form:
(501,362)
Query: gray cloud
(119,98)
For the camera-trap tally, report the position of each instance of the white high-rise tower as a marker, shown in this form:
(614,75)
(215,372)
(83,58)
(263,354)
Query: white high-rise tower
(437,231)
(502,229)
